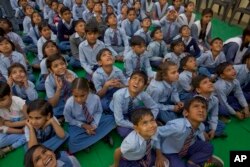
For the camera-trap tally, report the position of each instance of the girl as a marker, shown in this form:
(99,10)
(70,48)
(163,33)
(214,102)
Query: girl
(139,12)
(38,155)
(12,115)
(57,83)
(160,9)
(49,48)
(123,15)
(28,10)
(83,112)
(121,3)
(19,83)
(188,17)
(148,7)
(177,4)
(163,90)
(201,30)
(42,127)
(8,56)
(36,19)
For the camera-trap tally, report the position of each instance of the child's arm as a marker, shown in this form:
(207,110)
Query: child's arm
(160,159)
(57,128)
(55,98)
(32,140)
(14,131)
(117,157)
(14,124)
(30,89)
(110,83)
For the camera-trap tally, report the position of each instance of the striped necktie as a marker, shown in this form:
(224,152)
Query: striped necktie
(138,63)
(11,59)
(89,118)
(66,88)
(131,29)
(115,38)
(130,104)
(160,50)
(146,161)
(187,143)
(169,33)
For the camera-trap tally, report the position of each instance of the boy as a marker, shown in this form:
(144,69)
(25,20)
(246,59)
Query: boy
(115,37)
(107,78)
(136,148)
(125,99)
(229,92)
(89,48)
(205,88)
(136,58)
(88,12)
(178,139)
(143,32)
(78,9)
(131,24)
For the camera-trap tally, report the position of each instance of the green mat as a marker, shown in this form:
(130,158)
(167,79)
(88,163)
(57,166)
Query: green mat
(101,155)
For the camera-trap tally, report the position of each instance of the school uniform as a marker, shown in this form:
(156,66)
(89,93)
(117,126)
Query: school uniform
(66,160)
(165,95)
(191,46)
(230,96)
(75,115)
(130,27)
(120,4)
(156,52)
(26,24)
(122,104)
(77,11)
(136,150)
(47,137)
(102,25)
(114,3)
(100,78)
(145,35)
(17,40)
(87,55)
(46,10)
(160,12)
(148,7)
(174,58)
(173,137)
(180,11)
(170,29)
(50,86)
(140,14)
(40,84)
(207,63)
(86,15)
(69,3)
(34,34)
(183,20)
(2,78)
(40,43)
(19,15)
(134,62)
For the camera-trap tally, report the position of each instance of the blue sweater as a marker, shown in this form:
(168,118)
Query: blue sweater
(63,30)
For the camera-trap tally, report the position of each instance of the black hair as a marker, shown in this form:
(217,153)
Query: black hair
(25,7)
(32,15)
(130,9)
(91,28)
(79,21)
(137,40)
(45,44)
(2,32)
(64,9)
(80,83)
(152,34)
(139,113)
(196,81)
(184,60)
(221,67)
(11,43)
(207,11)
(16,65)
(180,30)
(42,25)
(216,39)
(141,74)
(246,32)
(187,3)
(53,58)
(8,22)
(41,105)
(163,68)
(108,16)
(99,54)
(176,42)
(195,99)
(245,57)
(4,89)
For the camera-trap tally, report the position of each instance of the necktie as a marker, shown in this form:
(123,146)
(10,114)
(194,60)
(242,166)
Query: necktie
(168,33)
(146,162)
(89,118)
(146,38)
(160,50)
(66,88)
(115,38)
(138,63)
(131,29)
(11,59)
(187,143)
(130,104)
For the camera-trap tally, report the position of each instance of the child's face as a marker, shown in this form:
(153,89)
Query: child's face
(5,46)
(106,59)
(80,96)
(90,4)
(17,74)
(43,157)
(139,49)
(29,10)
(67,16)
(136,84)
(158,35)
(50,49)
(131,15)
(54,6)
(80,28)
(5,102)
(146,23)
(109,10)
(197,112)
(23,3)
(190,7)
(124,10)
(205,86)
(207,18)
(112,20)
(36,18)
(179,48)
(37,120)
(146,126)
(217,45)
(172,15)
(4,25)
(46,32)
(58,67)
(162,2)
(172,74)
(229,73)
(137,5)
(91,37)
(177,3)
(97,8)
(185,32)
(191,64)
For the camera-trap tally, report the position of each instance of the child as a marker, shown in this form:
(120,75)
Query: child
(148,6)
(115,37)
(107,78)
(89,48)
(160,9)
(12,115)
(36,19)
(188,17)
(123,15)
(78,9)
(68,3)
(139,11)
(164,92)
(36,154)
(177,52)
(177,5)
(75,40)
(189,67)
(144,30)
(28,10)
(42,127)
(122,3)
(157,48)
(136,149)
(170,26)
(19,13)
(229,93)
(19,83)
(137,59)
(65,28)
(205,88)
(88,12)
(126,99)
(201,30)
(53,13)
(49,49)
(183,138)
(131,24)
(235,48)
(209,60)
(83,112)
(57,83)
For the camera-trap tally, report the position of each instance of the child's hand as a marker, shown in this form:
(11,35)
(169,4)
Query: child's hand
(211,134)
(246,112)
(206,136)
(176,108)
(239,115)
(110,83)
(59,84)
(89,129)
(29,125)
(180,104)
(160,161)
(10,81)
(25,81)
(69,77)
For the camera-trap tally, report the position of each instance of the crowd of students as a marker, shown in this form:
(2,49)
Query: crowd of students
(178,89)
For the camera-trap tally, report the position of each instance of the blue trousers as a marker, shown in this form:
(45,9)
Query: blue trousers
(75,63)
(123,131)
(64,46)
(13,140)
(167,115)
(80,140)
(105,100)
(198,153)
(58,109)
(185,96)
(155,64)
(40,84)
(206,71)
(219,129)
